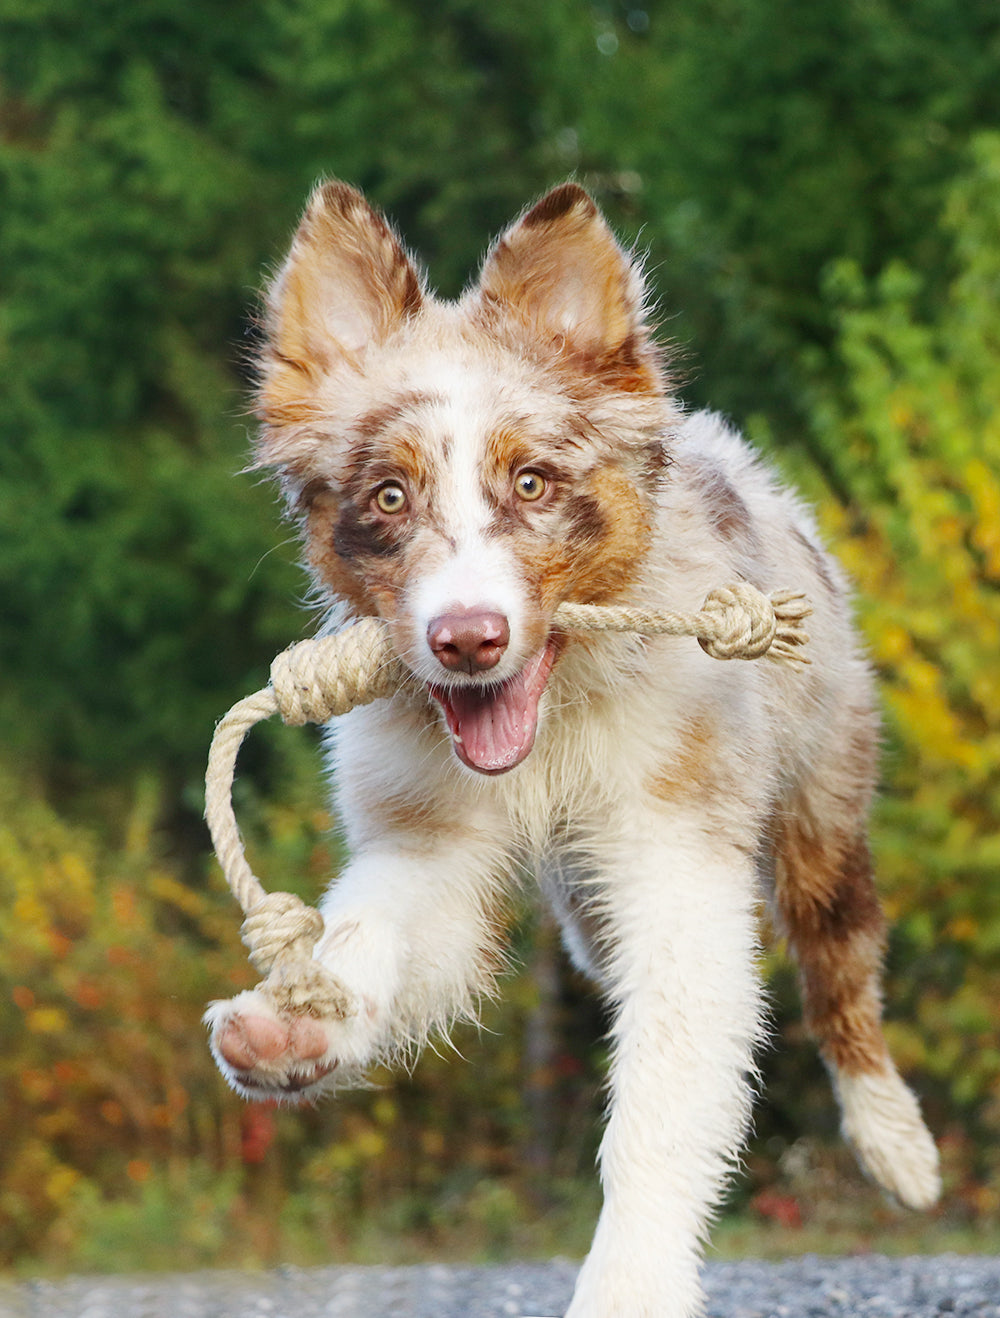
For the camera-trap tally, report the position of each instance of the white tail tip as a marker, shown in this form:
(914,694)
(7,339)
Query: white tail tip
(882,1123)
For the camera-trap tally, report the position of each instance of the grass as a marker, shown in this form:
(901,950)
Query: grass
(813,1202)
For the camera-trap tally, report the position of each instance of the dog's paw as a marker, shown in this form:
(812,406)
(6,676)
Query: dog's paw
(264,1053)
(882,1123)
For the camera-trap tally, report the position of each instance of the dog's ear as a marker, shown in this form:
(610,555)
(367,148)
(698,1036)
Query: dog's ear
(560,273)
(347,283)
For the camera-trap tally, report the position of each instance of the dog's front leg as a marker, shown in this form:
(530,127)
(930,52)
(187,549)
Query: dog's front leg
(411,933)
(680,943)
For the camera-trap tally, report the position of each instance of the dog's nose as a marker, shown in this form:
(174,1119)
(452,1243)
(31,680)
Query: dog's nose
(471,640)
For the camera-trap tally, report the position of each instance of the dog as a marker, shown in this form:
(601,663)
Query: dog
(459,469)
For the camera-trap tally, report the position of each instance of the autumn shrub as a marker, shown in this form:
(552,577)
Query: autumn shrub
(122,1146)
(906,429)
(104,956)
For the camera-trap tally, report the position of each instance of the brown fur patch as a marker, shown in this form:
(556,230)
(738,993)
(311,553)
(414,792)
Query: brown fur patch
(414,816)
(588,521)
(586,537)
(357,535)
(599,549)
(400,456)
(844,1013)
(629,368)
(340,222)
(553,206)
(730,515)
(285,397)
(354,549)
(691,772)
(337,574)
(508,450)
(830,911)
(818,561)
(610,536)
(381,419)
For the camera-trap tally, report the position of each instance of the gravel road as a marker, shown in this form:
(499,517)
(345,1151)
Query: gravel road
(864,1287)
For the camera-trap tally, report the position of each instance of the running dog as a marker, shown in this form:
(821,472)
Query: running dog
(459,469)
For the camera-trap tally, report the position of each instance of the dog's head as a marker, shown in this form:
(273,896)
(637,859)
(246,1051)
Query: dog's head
(460,469)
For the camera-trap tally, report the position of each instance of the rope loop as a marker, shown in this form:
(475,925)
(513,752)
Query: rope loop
(317,680)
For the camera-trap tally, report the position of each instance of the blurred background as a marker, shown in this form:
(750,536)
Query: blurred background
(818,190)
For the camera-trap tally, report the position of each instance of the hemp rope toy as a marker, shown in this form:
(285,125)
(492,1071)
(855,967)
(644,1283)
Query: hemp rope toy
(315,680)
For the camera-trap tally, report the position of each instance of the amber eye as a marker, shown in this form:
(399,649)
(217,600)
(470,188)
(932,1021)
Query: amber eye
(529,485)
(390,498)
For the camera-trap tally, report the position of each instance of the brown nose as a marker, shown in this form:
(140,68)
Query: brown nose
(468,639)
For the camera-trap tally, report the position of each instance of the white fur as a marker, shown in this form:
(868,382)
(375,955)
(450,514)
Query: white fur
(882,1123)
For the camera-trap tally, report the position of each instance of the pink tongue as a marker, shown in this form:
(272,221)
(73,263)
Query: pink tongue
(493,728)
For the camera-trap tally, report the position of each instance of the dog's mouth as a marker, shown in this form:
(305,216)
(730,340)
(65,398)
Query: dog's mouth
(493,727)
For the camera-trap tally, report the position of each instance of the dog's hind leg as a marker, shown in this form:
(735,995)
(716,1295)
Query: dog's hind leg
(828,908)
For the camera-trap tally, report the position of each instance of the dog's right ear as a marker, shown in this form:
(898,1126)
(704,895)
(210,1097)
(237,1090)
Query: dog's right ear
(347,283)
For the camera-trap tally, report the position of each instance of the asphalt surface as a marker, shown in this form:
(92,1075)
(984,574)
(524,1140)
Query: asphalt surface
(869,1286)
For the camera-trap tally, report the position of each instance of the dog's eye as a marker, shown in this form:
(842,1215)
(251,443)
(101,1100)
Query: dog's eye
(390,498)
(529,485)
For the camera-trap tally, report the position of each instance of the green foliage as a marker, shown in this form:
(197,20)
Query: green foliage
(154,156)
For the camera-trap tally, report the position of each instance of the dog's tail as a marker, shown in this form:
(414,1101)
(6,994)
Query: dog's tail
(880,1119)
(827,905)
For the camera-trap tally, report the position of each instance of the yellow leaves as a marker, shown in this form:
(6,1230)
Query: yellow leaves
(29,912)
(73,874)
(926,715)
(913,439)
(60,1183)
(385,1110)
(901,413)
(890,643)
(983,486)
(962,929)
(48,1020)
(370,1143)
(106,1052)
(47,878)
(179,895)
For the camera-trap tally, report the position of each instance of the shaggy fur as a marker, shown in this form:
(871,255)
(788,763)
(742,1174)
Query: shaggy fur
(460,469)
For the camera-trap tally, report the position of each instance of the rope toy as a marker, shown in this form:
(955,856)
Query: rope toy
(316,680)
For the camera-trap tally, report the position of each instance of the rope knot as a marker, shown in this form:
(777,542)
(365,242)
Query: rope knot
(739,623)
(281,927)
(281,933)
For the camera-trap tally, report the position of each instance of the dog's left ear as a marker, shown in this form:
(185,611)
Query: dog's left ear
(561,274)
